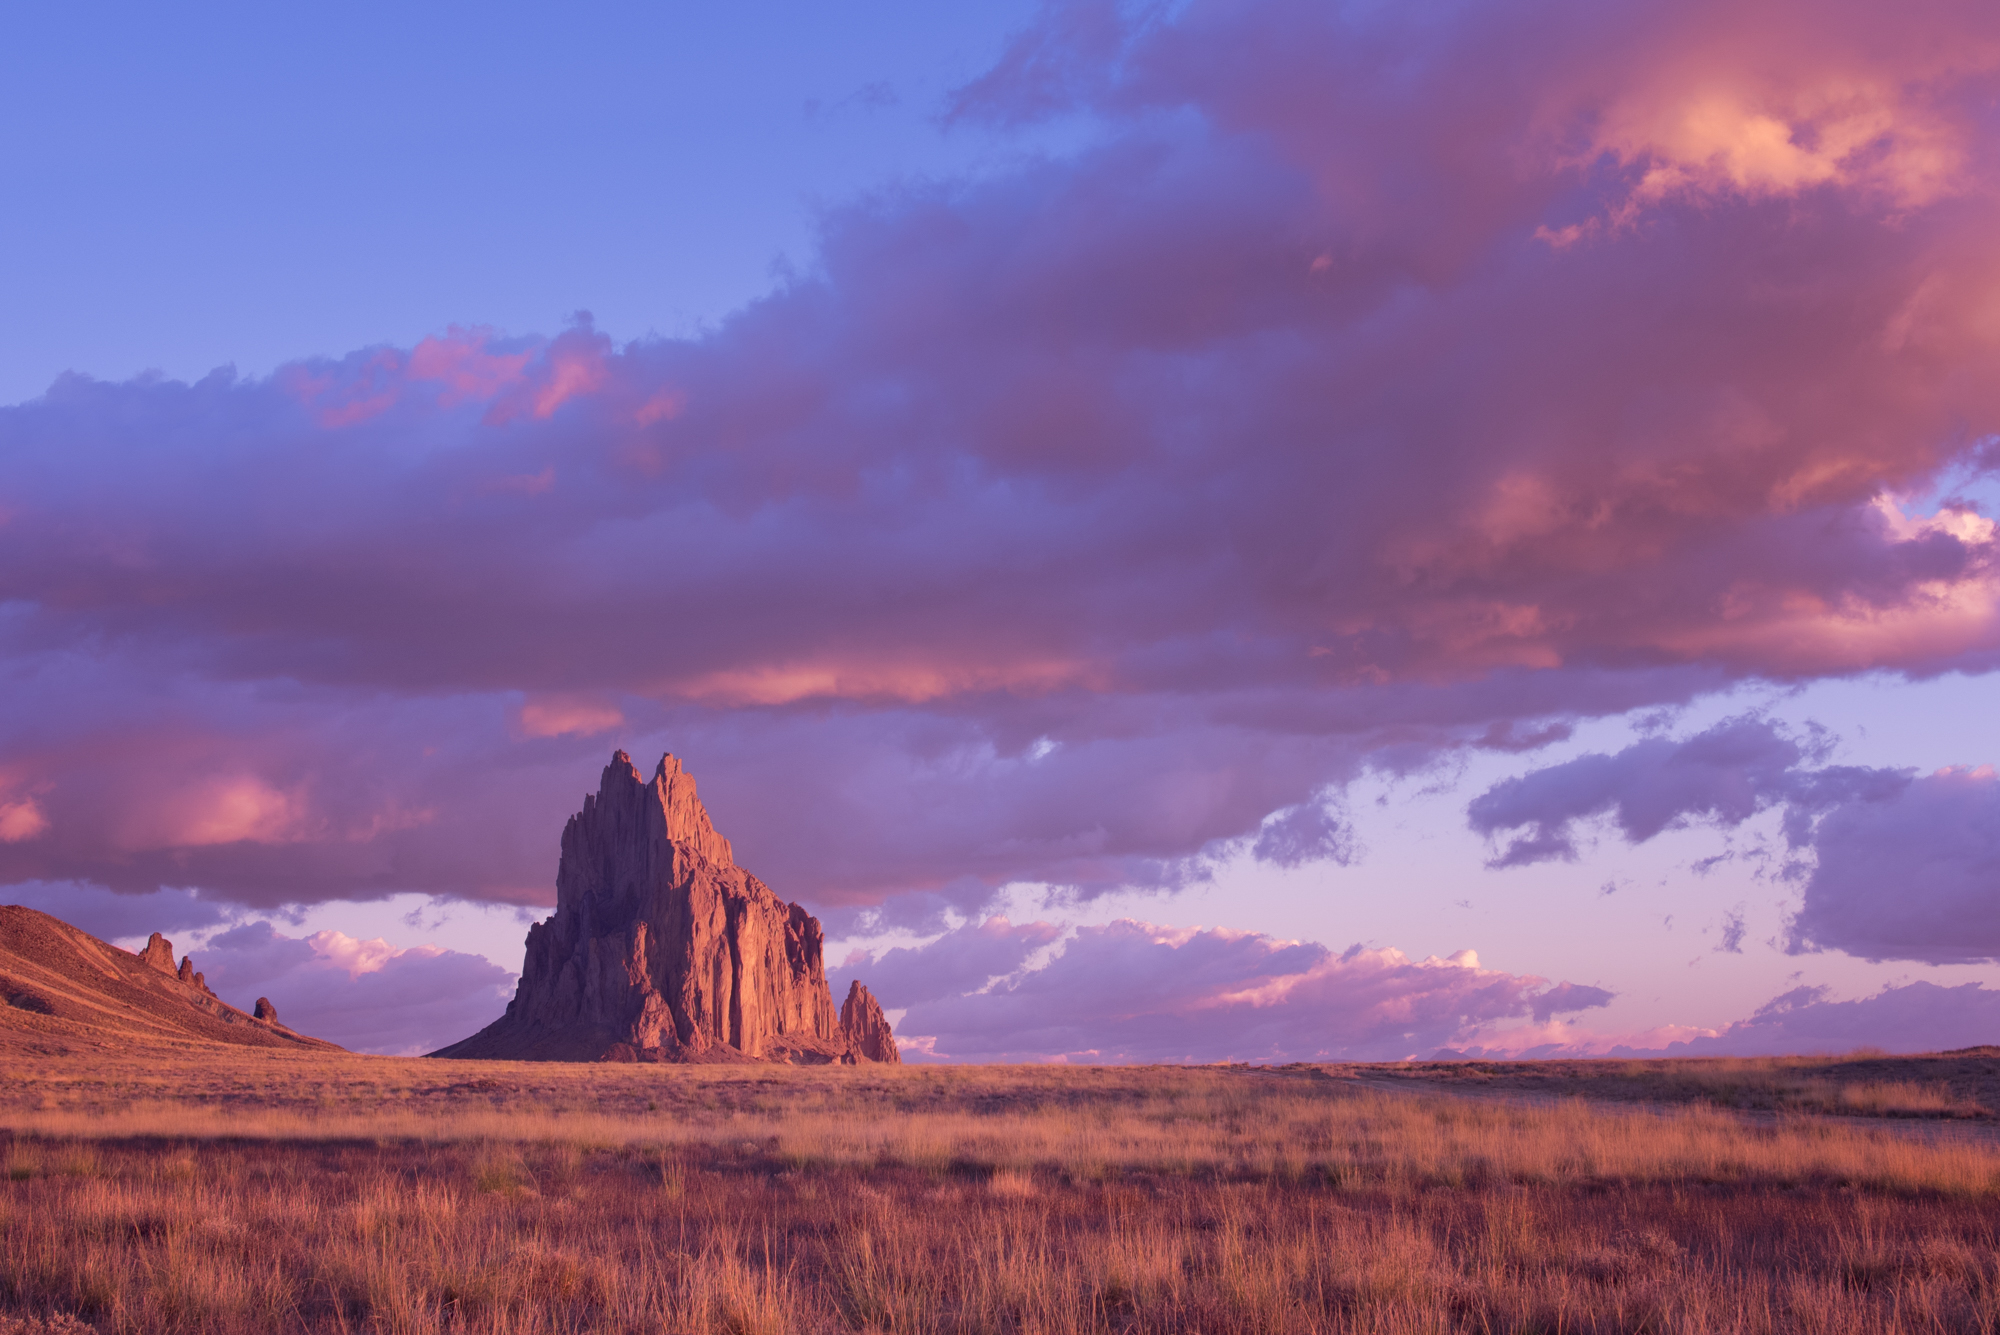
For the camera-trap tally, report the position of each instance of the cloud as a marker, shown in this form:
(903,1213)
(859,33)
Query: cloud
(1904,1017)
(563,715)
(1895,866)
(1133,992)
(119,917)
(1308,832)
(21,820)
(368,996)
(961,960)
(1725,775)
(1912,1017)
(1915,876)
(1349,395)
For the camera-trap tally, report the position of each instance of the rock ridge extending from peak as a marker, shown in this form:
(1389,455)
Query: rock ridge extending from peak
(65,992)
(662,949)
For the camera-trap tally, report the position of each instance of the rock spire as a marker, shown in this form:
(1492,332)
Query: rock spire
(861,1016)
(159,954)
(662,949)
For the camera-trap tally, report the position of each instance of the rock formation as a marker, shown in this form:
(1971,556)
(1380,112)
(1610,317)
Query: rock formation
(66,992)
(663,949)
(265,1011)
(866,1027)
(187,972)
(159,953)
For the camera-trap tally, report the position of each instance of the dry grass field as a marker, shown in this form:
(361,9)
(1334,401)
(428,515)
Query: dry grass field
(263,1192)
(1959,1086)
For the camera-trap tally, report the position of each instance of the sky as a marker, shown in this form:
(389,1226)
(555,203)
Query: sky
(1249,530)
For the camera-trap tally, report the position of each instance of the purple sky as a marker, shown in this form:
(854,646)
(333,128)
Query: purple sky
(1238,530)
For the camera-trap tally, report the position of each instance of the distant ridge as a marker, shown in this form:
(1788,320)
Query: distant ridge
(662,949)
(64,992)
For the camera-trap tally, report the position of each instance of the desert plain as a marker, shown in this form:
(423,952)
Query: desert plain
(252,1190)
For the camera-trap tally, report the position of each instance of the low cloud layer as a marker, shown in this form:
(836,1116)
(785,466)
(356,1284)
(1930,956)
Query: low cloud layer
(1901,1018)
(1362,387)
(368,996)
(1133,992)
(1913,1017)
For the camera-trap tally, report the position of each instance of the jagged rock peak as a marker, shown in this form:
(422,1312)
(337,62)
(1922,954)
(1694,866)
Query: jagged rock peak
(661,948)
(265,1011)
(159,953)
(685,819)
(867,1029)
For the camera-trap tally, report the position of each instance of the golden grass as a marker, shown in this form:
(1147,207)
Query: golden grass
(416,1196)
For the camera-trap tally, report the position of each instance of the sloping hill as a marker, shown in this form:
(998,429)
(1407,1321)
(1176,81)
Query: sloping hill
(63,991)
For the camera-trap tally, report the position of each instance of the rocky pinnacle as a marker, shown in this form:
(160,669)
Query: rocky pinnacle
(662,949)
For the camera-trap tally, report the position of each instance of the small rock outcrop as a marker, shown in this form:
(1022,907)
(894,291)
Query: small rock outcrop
(187,972)
(662,949)
(866,1028)
(265,1011)
(159,953)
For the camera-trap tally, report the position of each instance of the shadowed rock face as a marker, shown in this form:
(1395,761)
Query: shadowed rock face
(662,948)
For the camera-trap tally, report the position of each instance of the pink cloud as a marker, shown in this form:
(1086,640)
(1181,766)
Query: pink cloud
(568,715)
(1088,519)
(367,996)
(663,406)
(473,364)
(21,819)
(1135,992)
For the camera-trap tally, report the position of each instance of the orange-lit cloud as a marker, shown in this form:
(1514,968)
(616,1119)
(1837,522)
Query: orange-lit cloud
(568,716)
(21,819)
(663,406)
(1760,141)
(843,678)
(226,811)
(465,364)
(570,374)
(356,957)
